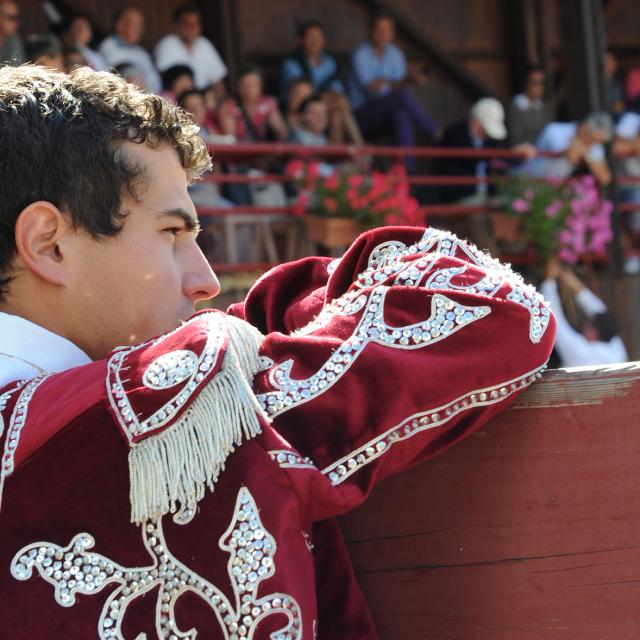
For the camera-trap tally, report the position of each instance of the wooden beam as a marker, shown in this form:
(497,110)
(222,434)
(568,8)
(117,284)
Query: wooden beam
(530,528)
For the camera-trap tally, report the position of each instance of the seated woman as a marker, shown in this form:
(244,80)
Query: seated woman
(255,116)
(314,119)
(312,63)
(205,193)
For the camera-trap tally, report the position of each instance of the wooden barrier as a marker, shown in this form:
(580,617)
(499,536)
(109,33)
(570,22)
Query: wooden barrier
(529,529)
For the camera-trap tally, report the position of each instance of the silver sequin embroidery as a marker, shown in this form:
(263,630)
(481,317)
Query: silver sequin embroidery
(74,570)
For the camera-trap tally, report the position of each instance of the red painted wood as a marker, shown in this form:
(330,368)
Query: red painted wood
(529,529)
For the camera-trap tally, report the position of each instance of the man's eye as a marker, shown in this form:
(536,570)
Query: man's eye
(173,230)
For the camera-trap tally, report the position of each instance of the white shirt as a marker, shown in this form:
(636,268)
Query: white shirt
(557,137)
(116,52)
(95,60)
(203,58)
(28,350)
(573,348)
(628,128)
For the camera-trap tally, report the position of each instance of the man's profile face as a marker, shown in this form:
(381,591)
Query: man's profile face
(145,280)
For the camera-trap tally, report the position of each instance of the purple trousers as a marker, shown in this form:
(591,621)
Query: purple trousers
(396,112)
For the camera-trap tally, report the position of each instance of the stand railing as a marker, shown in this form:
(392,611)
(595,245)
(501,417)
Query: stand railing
(360,155)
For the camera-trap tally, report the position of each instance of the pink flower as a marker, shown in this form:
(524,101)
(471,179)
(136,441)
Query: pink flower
(520,205)
(399,170)
(330,204)
(294,169)
(313,171)
(301,204)
(566,255)
(566,237)
(355,180)
(353,197)
(553,209)
(332,182)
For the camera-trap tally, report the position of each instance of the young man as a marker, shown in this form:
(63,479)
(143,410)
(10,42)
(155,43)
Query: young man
(380,98)
(109,521)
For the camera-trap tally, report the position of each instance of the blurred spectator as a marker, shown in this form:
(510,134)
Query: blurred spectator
(187,46)
(255,115)
(46,51)
(11,46)
(626,149)
(484,128)
(632,88)
(73,59)
(615,94)
(576,144)
(219,111)
(204,193)
(382,103)
(79,35)
(122,48)
(299,91)
(528,113)
(312,63)
(598,342)
(175,81)
(132,74)
(314,119)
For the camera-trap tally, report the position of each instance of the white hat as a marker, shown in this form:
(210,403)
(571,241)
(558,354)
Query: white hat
(490,114)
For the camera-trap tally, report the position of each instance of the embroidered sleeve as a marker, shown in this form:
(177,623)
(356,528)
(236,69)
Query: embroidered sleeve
(419,340)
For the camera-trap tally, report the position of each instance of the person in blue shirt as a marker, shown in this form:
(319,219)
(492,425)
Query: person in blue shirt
(378,83)
(311,62)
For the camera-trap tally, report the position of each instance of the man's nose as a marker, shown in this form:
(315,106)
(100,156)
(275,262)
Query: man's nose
(200,282)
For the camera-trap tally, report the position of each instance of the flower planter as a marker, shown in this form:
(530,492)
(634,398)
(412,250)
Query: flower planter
(333,233)
(506,227)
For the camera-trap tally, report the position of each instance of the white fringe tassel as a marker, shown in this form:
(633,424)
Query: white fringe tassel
(176,465)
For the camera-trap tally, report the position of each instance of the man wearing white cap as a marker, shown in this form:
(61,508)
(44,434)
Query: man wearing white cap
(483,128)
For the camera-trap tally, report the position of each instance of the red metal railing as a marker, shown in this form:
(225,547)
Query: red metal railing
(251,152)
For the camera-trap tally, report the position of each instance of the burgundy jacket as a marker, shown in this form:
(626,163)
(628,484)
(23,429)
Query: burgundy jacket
(175,488)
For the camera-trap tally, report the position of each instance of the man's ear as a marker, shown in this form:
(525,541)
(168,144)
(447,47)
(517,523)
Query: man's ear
(41,233)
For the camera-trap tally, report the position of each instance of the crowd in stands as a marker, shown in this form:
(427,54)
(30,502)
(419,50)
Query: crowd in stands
(318,103)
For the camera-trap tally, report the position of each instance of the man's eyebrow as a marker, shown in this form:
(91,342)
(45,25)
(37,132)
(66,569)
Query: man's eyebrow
(190,222)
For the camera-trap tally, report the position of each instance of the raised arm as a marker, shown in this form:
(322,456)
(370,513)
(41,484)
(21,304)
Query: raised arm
(419,339)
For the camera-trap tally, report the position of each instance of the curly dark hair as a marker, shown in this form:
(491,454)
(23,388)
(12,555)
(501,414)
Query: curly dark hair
(61,141)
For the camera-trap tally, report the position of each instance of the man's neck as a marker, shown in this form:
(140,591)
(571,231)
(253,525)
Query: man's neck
(41,317)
